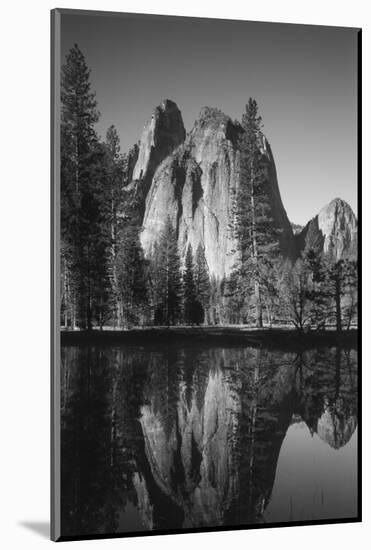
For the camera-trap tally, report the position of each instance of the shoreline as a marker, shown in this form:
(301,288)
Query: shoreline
(279,338)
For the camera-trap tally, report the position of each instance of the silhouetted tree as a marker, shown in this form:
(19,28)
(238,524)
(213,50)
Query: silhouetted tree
(296,302)
(168,278)
(83,212)
(202,281)
(191,309)
(336,283)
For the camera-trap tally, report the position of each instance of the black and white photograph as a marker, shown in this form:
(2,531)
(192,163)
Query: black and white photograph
(205,207)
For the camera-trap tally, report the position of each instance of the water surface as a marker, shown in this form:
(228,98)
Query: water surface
(173,437)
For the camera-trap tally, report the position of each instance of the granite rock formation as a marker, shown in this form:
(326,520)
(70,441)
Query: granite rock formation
(205,455)
(333,231)
(193,181)
(161,135)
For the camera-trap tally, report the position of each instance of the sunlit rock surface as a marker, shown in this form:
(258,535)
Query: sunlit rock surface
(161,135)
(336,429)
(190,436)
(207,454)
(333,231)
(195,185)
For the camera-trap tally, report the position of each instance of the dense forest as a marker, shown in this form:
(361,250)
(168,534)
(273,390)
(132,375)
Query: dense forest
(108,282)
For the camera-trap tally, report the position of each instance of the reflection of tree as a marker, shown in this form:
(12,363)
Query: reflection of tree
(189,435)
(328,395)
(97,432)
(266,411)
(218,460)
(164,374)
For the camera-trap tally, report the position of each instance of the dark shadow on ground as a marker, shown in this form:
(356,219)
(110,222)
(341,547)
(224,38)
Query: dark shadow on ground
(42,528)
(275,338)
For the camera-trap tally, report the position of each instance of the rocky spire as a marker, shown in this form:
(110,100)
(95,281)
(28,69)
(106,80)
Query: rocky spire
(333,231)
(195,185)
(161,135)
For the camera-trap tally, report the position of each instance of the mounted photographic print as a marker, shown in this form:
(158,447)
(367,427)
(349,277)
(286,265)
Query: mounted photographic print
(205,188)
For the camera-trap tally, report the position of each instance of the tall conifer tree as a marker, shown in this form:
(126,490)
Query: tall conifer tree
(168,277)
(190,303)
(116,168)
(202,281)
(78,201)
(255,227)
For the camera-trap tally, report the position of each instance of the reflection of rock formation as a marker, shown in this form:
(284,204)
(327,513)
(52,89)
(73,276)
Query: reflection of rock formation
(328,395)
(336,429)
(194,465)
(218,460)
(189,436)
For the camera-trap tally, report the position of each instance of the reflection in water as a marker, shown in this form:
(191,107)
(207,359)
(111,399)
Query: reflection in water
(178,437)
(313,480)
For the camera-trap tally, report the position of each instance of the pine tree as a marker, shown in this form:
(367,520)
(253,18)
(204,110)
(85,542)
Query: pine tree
(202,282)
(116,172)
(131,278)
(319,300)
(271,278)
(94,242)
(78,143)
(234,299)
(350,303)
(189,287)
(335,288)
(154,282)
(168,278)
(296,300)
(193,310)
(216,296)
(254,226)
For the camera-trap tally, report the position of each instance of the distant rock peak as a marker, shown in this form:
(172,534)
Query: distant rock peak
(333,231)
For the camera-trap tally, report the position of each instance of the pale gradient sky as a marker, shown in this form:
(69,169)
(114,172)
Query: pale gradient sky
(303,77)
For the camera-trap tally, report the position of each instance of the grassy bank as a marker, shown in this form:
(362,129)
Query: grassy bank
(214,335)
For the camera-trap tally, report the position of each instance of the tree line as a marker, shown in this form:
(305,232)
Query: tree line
(107,281)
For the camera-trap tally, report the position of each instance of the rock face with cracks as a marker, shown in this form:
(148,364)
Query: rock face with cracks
(333,231)
(193,181)
(161,135)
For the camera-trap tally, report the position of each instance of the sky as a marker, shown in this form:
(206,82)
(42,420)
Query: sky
(304,79)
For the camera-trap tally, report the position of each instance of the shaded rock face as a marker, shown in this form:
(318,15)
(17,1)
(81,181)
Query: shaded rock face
(173,459)
(196,184)
(161,135)
(333,231)
(132,161)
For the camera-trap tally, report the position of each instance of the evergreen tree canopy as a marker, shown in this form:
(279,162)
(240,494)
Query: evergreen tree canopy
(193,310)
(202,281)
(168,278)
(255,228)
(82,218)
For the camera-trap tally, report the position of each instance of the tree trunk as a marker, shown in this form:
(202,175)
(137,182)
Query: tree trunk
(258,306)
(338,304)
(66,296)
(89,317)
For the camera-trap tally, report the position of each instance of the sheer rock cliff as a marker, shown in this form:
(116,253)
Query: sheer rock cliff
(333,231)
(193,180)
